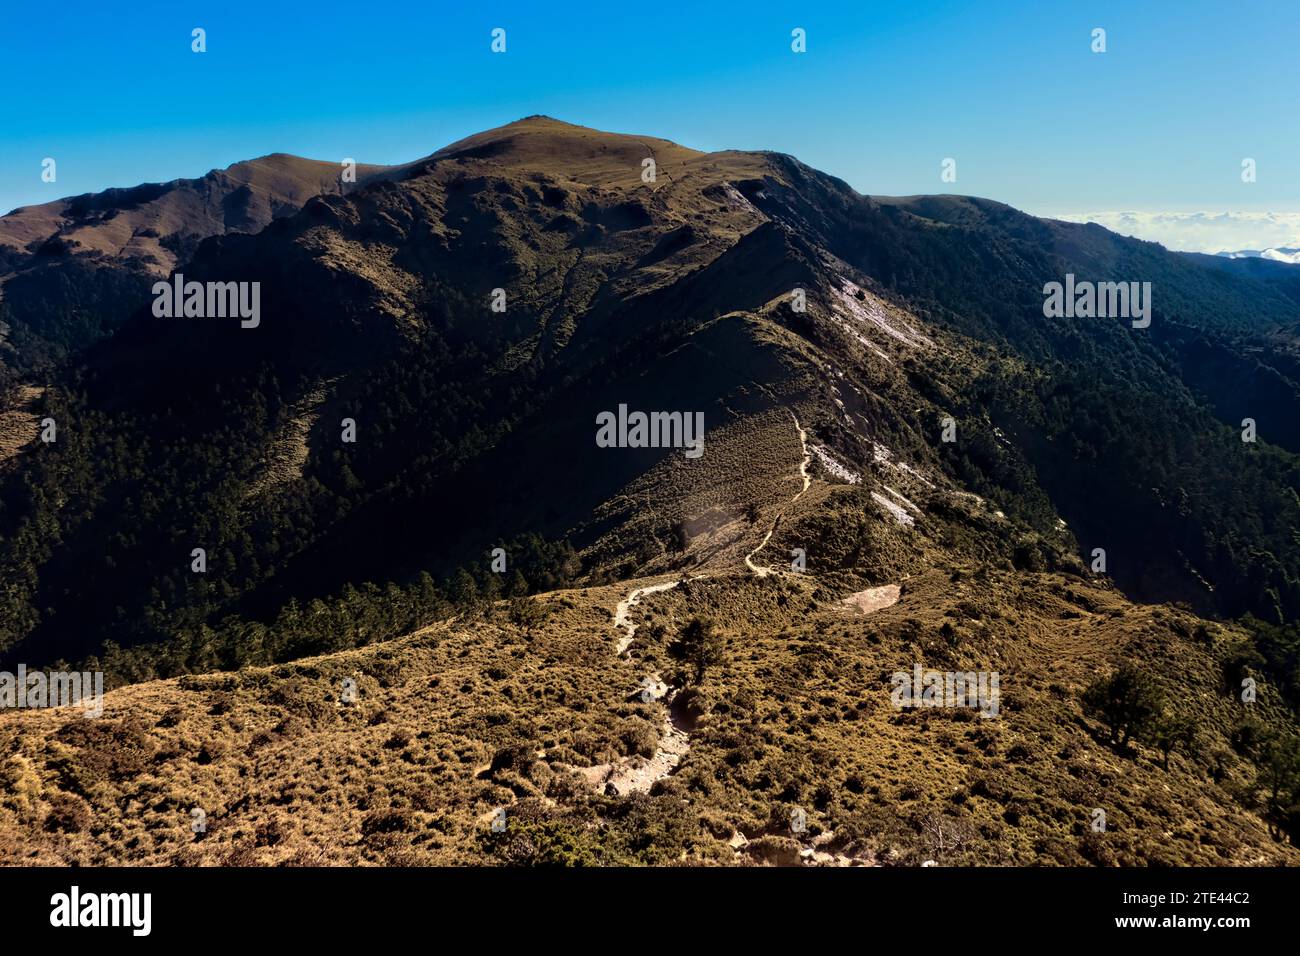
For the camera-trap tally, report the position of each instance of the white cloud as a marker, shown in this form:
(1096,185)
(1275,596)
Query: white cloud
(1202,231)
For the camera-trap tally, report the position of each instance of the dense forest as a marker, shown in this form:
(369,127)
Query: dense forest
(98,531)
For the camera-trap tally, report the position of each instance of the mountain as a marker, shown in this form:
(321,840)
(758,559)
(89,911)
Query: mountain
(1280,254)
(905,464)
(70,268)
(1279,272)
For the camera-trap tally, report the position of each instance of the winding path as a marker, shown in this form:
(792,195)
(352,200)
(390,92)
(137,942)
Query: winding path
(807,458)
(632,776)
(626,605)
(764,571)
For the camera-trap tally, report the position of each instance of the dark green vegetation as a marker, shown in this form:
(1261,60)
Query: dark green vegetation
(700,648)
(1129,703)
(1135,435)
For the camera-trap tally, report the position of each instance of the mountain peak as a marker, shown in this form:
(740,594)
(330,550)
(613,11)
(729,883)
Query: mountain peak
(544,143)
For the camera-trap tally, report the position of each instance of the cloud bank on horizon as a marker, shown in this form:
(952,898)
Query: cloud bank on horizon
(1210,232)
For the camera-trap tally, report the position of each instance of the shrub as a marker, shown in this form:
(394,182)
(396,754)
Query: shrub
(1126,701)
(1168,732)
(700,646)
(388,821)
(1278,766)
(68,814)
(536,837)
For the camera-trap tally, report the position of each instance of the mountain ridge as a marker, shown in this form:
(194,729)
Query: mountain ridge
(905,464)
(91,253)
(593,257)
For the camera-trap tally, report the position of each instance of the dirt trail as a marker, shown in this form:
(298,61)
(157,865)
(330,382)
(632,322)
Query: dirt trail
(626,605)
(633,775)
(812,852)
(673,745)
(807,458)
(761,570)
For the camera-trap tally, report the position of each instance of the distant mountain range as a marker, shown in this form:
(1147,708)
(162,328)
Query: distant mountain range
(1271,266)
(1288,255)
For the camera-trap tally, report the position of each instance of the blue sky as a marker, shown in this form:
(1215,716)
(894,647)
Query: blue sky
(886,91)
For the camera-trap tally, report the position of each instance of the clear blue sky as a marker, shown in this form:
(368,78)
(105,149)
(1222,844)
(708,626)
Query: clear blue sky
(885,92)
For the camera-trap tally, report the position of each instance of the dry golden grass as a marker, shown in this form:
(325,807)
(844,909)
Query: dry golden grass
(461,719)
(19,423)
(187,207)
